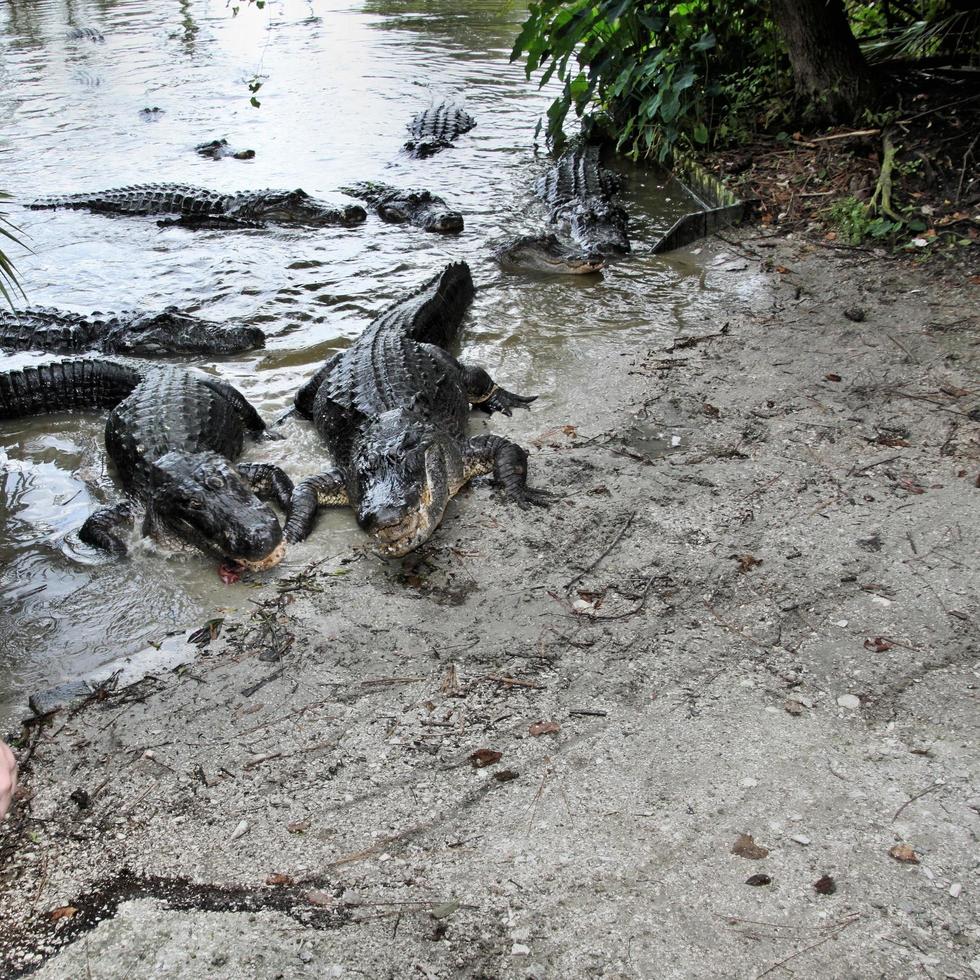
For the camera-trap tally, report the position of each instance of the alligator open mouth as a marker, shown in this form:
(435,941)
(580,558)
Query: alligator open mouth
(262,564)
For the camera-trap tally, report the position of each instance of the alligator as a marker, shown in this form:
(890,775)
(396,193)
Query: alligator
(172,436)
(219,149)
(85,34)
(129,332)
(545,253)
(152,113)
(417,207)
(435,128)
(579,191)
(392,410)
(199,208)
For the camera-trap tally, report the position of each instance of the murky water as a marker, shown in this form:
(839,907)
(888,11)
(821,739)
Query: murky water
(340,81)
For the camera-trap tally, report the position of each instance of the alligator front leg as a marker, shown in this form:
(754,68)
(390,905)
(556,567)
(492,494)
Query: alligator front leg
(486,395)
(107,527)
(268,482)
(326,490)
(508,463)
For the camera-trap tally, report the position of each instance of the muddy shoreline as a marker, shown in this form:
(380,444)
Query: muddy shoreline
(767,629)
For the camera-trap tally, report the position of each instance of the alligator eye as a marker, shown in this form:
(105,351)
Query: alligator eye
(215,482)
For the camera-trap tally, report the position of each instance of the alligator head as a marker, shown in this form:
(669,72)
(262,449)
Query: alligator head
(601,224)
(399,480)
(299,207)
(544,253)
(200,498)
(174,332)
(422,208)
(441,220)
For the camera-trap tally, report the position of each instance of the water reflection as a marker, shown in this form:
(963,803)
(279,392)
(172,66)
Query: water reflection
(341,83)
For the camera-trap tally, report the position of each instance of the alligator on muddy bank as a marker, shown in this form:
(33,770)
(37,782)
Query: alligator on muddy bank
(392,410)
(219,149)
(545,253)
(200,208)
(436,128)
(172,436)
(128,332)
(579,191)
(416,207)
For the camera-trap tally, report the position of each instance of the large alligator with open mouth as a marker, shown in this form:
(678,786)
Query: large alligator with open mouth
(392,410)
(416,207)
(132,332)
(579,191)
(173,436)
(196,207)
(436,128)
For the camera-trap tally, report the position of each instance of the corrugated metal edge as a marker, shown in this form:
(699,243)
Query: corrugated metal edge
(720,207)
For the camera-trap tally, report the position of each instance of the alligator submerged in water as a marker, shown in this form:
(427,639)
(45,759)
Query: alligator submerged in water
(392,410)
(416,207)
(172,436)
(200,208)
(579,191)
(129,332)
(545,253)
(435,128)
(219,149)
(85,34)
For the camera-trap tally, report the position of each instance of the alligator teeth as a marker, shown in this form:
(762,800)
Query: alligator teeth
(270,561)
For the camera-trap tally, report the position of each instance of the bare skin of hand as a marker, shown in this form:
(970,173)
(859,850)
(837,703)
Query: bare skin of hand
(8,778)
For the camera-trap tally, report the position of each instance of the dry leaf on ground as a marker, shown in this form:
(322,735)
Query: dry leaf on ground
(746,847)
(904,853)
(485,757)
(544,728)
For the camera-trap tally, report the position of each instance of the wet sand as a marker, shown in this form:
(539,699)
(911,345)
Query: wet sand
(752,612)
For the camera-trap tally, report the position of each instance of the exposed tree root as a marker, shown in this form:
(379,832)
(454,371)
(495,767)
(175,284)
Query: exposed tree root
(881,200)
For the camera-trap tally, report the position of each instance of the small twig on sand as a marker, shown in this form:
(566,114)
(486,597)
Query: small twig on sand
(258,685)
(629,612)
(737,630)
(613,543)
(511,681)
(391,681)
(806,949)
(917,796)
(871,466)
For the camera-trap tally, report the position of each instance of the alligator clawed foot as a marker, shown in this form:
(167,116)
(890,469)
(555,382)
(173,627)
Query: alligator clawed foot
(533,497)
(503,401)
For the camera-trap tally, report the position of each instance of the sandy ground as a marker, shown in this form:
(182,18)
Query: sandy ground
(686,723)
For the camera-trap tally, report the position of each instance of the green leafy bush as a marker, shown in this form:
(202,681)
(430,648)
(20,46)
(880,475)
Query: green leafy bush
(651,75)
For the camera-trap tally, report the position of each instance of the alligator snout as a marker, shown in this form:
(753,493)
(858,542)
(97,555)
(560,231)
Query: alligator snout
(447,222)
(388,524)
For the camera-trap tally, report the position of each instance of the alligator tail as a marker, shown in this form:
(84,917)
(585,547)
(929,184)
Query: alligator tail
(437,321)
(65,385)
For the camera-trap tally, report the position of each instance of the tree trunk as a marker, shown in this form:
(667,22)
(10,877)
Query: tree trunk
(832,77)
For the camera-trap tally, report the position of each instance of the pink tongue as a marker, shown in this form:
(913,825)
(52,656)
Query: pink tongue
(229,571)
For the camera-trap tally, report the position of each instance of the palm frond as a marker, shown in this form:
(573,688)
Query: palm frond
(923,38)
(8,273)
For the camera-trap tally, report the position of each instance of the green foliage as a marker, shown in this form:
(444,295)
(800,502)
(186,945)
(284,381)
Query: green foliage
(854,223)
(8,274)
(857,222)
(919,30)
(653,74)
